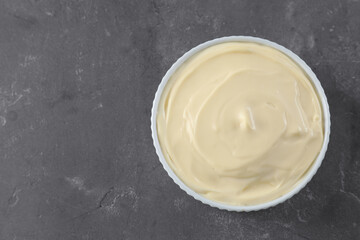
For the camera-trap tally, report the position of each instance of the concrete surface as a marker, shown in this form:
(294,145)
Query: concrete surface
(77,80)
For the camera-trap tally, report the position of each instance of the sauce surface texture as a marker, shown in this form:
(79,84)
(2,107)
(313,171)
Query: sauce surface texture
(240,123)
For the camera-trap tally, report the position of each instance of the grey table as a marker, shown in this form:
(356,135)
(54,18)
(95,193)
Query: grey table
(77,80)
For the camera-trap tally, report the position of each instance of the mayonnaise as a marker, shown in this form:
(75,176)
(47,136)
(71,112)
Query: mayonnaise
(240,123)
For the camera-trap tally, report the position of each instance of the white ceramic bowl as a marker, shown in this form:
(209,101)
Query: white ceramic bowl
(294,57)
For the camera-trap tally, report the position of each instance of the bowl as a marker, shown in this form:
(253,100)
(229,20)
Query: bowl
(317,86)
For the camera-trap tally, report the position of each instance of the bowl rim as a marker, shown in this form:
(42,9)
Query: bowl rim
(315,82)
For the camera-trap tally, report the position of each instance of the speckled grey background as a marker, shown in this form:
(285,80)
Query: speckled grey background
(77,80)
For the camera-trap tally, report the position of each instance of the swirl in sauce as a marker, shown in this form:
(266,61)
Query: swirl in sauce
(240,123)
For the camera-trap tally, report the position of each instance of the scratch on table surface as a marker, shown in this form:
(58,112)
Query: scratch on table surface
(83,214)
(114,201)
(342,177)
(100,205)
(60,201)
(14,198)
(299,213)
(288,227)
(352,195)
